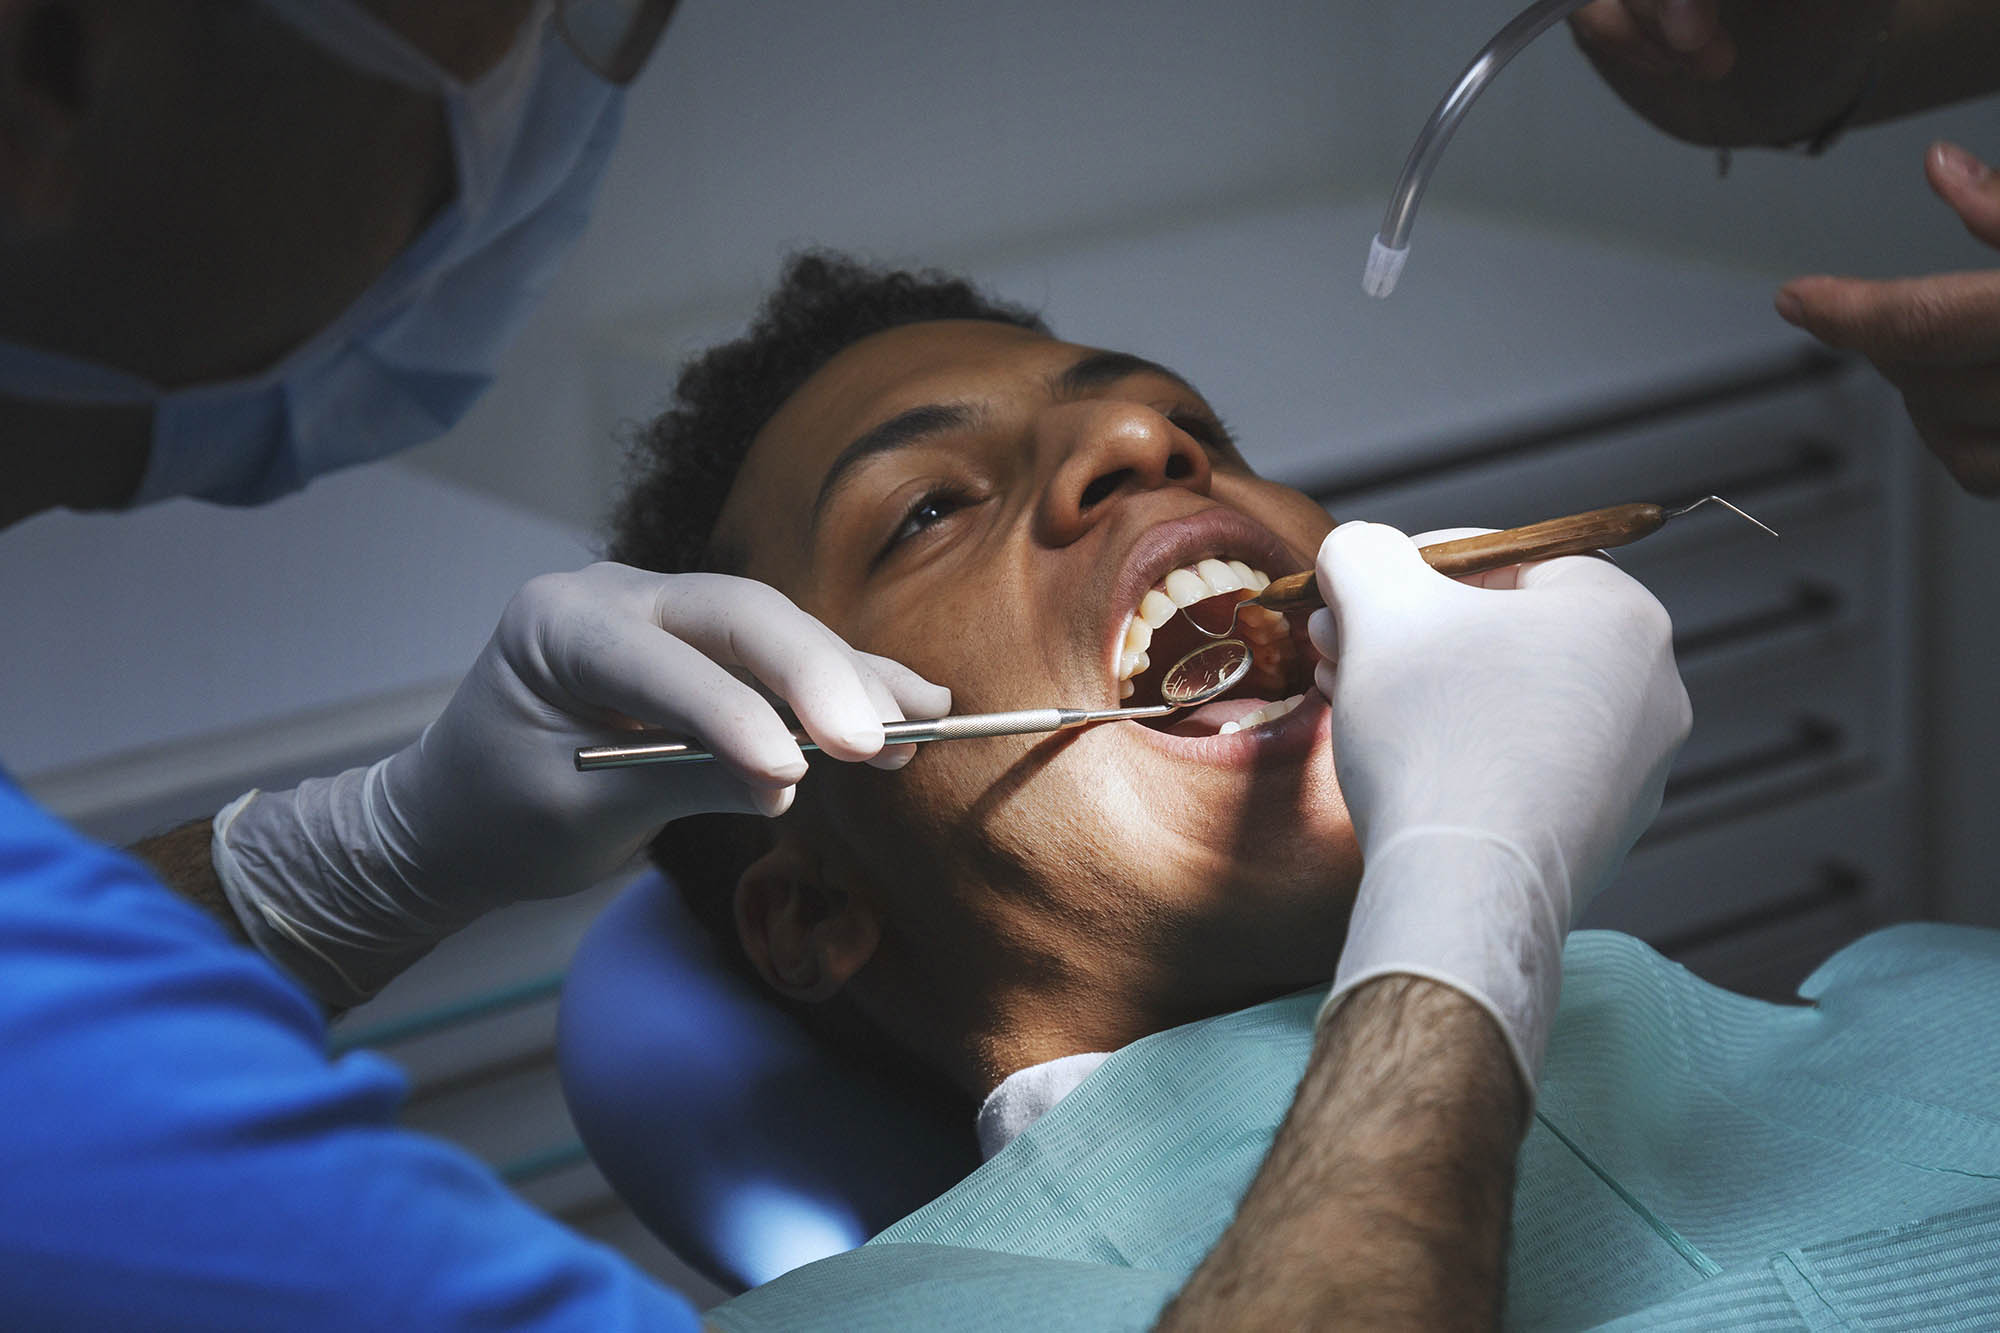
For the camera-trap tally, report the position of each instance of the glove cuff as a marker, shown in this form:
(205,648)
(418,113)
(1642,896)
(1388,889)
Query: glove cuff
(315,877)
(1467,909)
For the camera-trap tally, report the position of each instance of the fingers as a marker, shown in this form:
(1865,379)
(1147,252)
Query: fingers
(886,708)
(1372,556)
(1972,459)
(1970,186)
(1947,319)
(1572,572)
(899,693)
(1663,37)
(1359,565)
(1686,26)
(1937,338)
(1944,319)
(1957,411)
(660,649)
(739,622)
(1488,578)
(655,678)
(915,696)
(1370,569)
(841,696)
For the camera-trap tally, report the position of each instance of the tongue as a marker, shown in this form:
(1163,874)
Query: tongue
(1207,720)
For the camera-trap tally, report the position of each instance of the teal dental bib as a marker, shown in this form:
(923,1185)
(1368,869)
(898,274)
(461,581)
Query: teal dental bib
(1698,1160)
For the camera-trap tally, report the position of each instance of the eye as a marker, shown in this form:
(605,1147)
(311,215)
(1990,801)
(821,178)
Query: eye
(1205,429)
(925,512)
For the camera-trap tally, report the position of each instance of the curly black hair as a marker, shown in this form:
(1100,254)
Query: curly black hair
(683,464)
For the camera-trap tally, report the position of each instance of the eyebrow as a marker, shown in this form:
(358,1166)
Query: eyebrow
(913,427)
(898,432)
(1104,368)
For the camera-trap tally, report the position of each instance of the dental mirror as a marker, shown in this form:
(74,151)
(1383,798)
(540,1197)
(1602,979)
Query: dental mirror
(1205,673)
(1195,679)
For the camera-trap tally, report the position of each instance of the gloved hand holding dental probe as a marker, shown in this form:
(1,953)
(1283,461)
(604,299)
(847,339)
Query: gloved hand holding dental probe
(1501,744)
(1789,73)
(346,881)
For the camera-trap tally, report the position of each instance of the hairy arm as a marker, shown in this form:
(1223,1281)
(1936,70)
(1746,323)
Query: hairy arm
(180,857)
(1386,1195)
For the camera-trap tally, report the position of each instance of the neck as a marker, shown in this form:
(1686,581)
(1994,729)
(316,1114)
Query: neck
(1030,1024)
(1085,1009)
(69,456)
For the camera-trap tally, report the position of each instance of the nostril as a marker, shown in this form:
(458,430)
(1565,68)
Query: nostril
(1179,467)
(1100,490)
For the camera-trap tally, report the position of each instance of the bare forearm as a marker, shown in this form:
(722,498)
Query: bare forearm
(181,859)
(1385,1197)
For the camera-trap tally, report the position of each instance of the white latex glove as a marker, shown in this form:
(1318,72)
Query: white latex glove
(345,881)
(1500,748)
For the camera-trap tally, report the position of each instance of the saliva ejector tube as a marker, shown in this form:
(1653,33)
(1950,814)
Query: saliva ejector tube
(1391,245)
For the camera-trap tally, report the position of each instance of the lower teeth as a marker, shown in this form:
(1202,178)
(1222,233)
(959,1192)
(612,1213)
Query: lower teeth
(1268,713)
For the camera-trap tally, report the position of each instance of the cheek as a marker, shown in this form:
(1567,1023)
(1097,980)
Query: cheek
(1306,522)
(986,648)
(911,825)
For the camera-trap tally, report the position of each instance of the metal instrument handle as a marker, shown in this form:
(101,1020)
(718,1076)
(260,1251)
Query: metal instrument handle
(654,749)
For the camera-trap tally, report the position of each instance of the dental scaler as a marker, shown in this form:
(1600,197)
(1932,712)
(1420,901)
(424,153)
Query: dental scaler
(1573,534)
(1391,245)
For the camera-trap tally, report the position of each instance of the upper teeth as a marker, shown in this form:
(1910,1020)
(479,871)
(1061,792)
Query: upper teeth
(1184,587)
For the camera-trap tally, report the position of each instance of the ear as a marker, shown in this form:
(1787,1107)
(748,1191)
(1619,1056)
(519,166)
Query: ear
(45,79)
(806,935)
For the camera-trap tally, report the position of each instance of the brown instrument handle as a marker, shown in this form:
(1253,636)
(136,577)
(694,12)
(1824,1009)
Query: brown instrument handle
(1571,535)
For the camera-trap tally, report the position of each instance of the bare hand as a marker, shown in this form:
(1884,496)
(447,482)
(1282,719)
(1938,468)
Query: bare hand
(1669,38)
(1935,338)
(1737,73)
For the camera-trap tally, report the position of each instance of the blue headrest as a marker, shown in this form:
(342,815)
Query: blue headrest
(743,1143)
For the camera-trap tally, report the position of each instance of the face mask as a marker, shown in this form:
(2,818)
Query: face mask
(406,359)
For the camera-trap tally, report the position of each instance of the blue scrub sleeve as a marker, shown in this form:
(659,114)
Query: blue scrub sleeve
(177,1150)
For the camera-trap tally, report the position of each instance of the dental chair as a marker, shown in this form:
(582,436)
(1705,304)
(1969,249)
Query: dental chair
(743,1144)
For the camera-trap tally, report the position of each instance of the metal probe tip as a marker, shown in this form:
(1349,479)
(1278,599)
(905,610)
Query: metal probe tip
(1726,505)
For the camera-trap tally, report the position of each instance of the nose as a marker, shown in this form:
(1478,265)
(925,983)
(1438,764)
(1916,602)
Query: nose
(1105,451)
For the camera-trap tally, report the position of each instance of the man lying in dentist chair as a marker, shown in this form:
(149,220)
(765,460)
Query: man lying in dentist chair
(1106,953)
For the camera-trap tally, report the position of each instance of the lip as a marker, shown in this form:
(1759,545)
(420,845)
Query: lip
(1288,740)
(1215,531)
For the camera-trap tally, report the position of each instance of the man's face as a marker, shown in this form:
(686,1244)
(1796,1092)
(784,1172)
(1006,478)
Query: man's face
(992,507)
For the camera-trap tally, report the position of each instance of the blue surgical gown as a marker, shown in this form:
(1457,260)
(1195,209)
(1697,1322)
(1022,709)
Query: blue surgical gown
(177,1150)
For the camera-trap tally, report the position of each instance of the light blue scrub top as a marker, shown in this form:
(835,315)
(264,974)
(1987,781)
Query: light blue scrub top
(178,1152)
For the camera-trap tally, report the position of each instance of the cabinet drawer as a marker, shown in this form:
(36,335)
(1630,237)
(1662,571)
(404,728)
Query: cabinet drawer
(1737,596)
(1777,454)
(1764,738)
(1850,850)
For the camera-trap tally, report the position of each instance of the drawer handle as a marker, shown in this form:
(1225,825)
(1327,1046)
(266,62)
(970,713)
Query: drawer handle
(1834,884)
(1811,739)
(1810,603)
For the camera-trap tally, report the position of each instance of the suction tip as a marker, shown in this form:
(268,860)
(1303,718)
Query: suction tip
(1385,265)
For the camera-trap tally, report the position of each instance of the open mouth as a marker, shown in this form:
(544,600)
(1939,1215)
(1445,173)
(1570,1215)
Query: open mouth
(1158,633)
